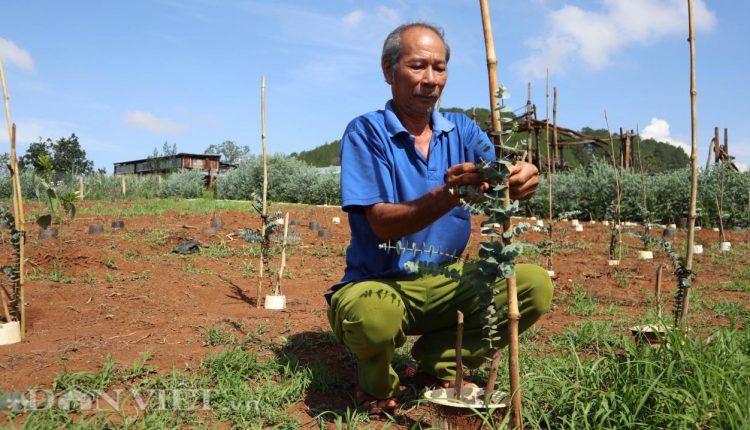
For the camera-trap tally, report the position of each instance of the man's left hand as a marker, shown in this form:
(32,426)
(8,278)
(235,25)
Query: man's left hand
(523,181)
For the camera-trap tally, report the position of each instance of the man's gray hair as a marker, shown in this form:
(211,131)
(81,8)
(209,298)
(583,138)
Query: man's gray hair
(392,47)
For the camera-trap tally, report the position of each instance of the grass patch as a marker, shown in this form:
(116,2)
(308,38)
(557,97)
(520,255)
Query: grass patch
(582,304)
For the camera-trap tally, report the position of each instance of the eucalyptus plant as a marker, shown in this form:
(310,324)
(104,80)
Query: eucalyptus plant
(496,256)
(13,270)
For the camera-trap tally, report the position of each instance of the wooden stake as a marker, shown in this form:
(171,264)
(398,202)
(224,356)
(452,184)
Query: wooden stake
(459,382)
(283,255)
(529,146)
(123,187)
(80,187)
(513,314)
(717,145)
(726,141)
(550,166)
(554,123)
(657,291)
(265,179)
(693,168)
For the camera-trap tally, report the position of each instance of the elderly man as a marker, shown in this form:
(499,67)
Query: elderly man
(400,167)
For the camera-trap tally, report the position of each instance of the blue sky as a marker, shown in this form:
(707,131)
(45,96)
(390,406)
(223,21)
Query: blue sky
(126,76)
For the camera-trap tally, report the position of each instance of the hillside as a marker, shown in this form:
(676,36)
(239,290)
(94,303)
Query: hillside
(655,156)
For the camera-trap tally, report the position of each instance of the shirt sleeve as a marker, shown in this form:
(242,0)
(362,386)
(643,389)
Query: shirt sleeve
(365,170)
(478,144)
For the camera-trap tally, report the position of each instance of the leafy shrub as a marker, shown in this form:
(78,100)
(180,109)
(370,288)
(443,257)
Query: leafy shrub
(185,184)
(289,180)
(591,190)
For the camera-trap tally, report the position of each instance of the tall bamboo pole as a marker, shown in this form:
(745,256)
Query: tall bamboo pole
(263,216)
(18,211)
(513,314)
(693,167)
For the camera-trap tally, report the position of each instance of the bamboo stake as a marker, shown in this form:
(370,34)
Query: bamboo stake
(5,306)
(283,256)
(693,167)
(459,382)
(20,227)
(265,178)
(6,99)
(513,314)
(616,239)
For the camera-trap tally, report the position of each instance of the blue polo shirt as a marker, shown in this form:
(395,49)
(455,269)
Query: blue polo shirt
(380,164)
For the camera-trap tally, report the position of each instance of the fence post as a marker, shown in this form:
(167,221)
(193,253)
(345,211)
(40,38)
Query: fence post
(80,187)
(122,185)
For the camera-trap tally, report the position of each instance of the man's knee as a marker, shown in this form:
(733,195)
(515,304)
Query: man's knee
(369,318)
(539,283)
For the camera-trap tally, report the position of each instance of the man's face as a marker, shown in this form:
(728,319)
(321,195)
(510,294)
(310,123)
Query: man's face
(420,75)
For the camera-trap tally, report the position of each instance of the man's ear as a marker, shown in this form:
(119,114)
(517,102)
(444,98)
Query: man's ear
(387,72)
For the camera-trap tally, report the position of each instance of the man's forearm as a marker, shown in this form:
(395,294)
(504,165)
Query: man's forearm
(391,221)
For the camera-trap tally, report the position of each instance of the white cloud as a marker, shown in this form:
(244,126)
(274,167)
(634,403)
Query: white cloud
(11,53)
(147,121)
(658,129)
(353,19)
(30,130)
(388,15)
(595,37)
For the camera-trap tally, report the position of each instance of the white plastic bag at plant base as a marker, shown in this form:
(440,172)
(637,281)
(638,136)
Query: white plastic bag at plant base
(10,332)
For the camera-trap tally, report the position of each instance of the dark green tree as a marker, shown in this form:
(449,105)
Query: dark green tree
(230,152)
(69,157)
(37,149)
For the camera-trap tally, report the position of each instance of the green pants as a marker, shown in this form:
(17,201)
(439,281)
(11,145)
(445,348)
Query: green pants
(373,318)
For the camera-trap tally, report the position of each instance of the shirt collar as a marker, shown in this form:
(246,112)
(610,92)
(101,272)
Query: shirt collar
(440,124)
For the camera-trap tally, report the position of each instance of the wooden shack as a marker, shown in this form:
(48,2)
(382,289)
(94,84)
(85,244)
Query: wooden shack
(208,163)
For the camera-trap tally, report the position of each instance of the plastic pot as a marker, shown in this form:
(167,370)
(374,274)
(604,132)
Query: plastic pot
(579,227)
(314,226)
(96,228)
(649,334)
(336,220)
(575,223)
(539,223)
(726,246)
(48,233)
(698,249)
(468,412)
(668,232)
(217,223)
(613,262)
(324,233)
(294,223)
(645,255)
(274,302)
(118,224)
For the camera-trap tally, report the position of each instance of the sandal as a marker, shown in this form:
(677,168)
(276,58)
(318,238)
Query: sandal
(410,375)
(373,406)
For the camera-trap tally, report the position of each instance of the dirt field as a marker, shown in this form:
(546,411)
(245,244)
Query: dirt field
(123,292)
